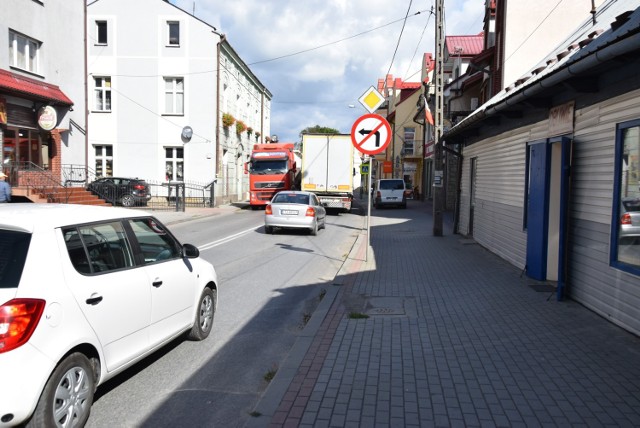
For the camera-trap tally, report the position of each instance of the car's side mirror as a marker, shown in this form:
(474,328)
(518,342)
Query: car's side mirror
(190,251)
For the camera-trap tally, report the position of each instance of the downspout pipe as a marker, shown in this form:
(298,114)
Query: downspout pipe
(219,56)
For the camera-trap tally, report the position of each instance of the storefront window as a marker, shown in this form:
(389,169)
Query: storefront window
(626,227)
(24,147)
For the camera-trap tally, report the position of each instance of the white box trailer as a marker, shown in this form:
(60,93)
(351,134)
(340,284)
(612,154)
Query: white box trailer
(327,168)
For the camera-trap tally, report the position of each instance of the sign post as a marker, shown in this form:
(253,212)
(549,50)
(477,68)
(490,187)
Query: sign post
(370,134)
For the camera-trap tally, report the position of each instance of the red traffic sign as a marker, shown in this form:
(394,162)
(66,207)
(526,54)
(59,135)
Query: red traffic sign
(371,134)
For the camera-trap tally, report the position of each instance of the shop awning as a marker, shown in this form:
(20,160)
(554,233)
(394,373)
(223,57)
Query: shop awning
(31,88)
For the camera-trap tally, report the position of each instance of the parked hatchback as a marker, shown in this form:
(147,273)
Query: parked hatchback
(85,292)
(295,210)
(127,192)
(390,192)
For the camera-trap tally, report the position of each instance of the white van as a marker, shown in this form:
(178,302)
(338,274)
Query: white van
(390,191)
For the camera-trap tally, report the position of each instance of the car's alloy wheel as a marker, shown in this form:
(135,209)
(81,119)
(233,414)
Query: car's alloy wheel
(127,201)
(204,315)
(68,395)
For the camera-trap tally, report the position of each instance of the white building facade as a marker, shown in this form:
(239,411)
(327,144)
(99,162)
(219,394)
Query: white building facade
(152,74)
(244,120)
(159,82)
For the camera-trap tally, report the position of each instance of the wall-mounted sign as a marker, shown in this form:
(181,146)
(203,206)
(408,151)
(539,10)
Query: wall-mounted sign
(47,118)
(561,119)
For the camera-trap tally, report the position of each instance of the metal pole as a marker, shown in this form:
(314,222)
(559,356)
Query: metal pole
(366,256)
(438,181)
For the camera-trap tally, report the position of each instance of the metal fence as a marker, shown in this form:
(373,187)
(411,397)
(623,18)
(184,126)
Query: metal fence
(168,196)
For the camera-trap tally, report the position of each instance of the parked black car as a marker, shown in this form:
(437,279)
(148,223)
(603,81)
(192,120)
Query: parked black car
(127,192)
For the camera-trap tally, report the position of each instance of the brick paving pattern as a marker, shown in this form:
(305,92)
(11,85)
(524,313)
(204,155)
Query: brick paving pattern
(456,337)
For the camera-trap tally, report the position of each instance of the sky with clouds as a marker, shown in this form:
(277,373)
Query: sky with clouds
(317,57)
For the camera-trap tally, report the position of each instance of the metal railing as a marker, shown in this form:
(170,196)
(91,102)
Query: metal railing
(39,181)
(164,195)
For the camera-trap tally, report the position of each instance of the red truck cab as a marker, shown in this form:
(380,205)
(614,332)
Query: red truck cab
(272,168)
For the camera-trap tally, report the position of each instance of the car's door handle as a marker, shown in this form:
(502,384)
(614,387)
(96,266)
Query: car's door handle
(157,283)
(94,299)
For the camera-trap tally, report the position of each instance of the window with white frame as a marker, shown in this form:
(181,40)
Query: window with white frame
(24,52)
(409,141)
(173,95)
(173,31)
(174,163)
(101,32)
(102,93)
(625,233)
(104,160)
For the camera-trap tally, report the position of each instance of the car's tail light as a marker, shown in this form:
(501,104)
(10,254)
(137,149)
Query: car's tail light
(139,187)
(268,210)
(311,212)
(625,219)
(18,320)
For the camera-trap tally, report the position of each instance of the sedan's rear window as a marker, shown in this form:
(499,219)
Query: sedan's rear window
(13,253)
(631,204)
(291,198)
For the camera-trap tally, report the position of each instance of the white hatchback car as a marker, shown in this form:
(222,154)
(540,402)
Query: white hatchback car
(86,292)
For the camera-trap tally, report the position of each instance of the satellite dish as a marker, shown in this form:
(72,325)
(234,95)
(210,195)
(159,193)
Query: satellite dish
(187,133)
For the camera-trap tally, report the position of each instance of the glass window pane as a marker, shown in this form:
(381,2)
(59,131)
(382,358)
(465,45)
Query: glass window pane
(156,244)
(22,61)
(179,85)
(629,199)
(168,102)
(179,103)
(174,33)
(102,32)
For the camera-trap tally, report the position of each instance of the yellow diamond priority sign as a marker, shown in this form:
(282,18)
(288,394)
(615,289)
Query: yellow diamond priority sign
(371,99)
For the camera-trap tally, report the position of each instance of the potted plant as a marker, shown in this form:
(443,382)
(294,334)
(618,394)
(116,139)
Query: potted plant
(227,120)
(240,127)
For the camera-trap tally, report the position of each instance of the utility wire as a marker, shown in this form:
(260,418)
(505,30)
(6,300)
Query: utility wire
(397,45)
(341,40)
(424,29)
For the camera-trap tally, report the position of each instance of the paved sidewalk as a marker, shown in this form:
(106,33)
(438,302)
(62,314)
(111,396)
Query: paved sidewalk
(455,337)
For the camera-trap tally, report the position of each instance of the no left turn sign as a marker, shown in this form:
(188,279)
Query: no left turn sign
(371,134)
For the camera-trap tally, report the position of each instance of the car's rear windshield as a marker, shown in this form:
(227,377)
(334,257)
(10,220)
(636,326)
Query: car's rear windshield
(631,204)
(291,198)
(13,253)
(391,185)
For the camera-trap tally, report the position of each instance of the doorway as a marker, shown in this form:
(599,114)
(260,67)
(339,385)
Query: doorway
(548,166)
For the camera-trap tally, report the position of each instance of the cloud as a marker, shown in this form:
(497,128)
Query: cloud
(317,57)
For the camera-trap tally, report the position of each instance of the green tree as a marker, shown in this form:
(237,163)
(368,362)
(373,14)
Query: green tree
(318,130)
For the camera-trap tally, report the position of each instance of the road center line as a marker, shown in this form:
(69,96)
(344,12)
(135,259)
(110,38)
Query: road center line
(230,238)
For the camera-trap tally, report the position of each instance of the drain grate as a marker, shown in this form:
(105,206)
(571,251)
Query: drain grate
(385,306)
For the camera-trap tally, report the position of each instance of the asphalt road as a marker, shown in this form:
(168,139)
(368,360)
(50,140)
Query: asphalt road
(270,285)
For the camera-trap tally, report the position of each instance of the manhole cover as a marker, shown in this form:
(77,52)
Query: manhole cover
(385,306)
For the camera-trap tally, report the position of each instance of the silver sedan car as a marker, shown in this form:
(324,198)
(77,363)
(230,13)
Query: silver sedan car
(295,210)
(630,221)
